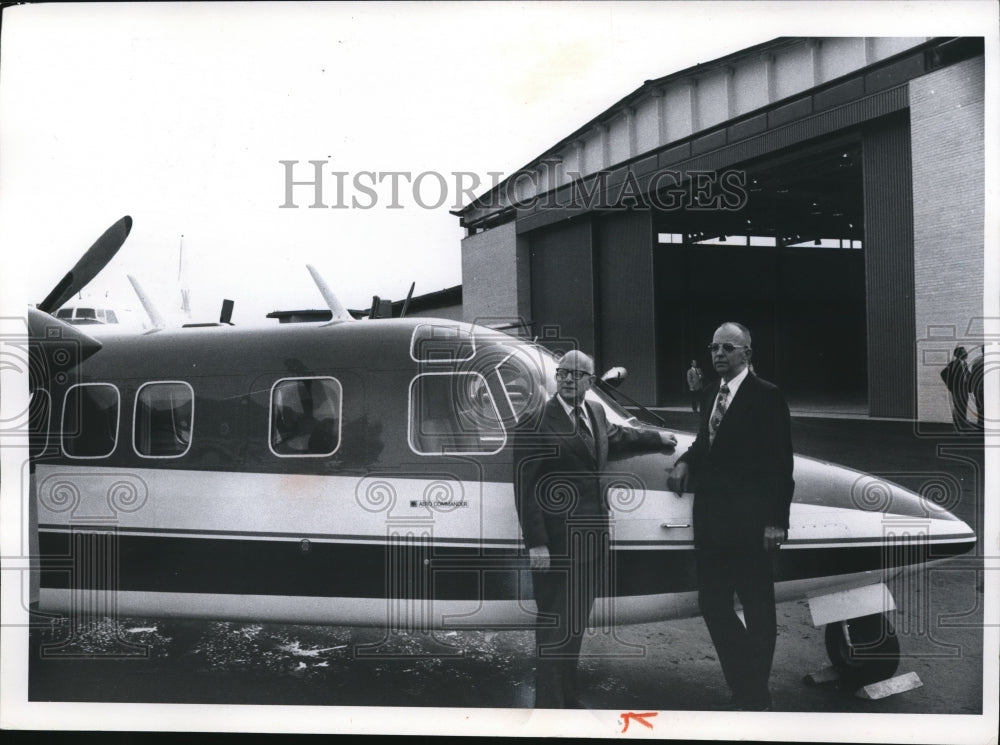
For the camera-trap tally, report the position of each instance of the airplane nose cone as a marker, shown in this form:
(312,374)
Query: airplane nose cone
(834,503)
(909,516)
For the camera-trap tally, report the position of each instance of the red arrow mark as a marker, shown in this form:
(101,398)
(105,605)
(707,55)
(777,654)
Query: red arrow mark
(628,716)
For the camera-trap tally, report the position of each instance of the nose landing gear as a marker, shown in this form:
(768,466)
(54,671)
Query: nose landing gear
(863,650)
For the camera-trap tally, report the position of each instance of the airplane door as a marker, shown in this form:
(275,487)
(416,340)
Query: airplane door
(644,513)
(652,539)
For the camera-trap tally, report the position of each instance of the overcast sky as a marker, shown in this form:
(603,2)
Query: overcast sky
(178,115)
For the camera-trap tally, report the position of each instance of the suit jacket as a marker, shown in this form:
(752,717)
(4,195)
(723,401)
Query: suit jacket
(956,376)
(743,481)
(557,482)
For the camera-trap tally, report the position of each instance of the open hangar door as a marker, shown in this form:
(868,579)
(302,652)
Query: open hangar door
(783,252)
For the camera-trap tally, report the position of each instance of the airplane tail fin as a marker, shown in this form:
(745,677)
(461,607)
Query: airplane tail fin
(340,313)
(154,315)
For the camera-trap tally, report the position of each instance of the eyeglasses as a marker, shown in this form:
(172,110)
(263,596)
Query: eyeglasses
(562,374)
(725,347)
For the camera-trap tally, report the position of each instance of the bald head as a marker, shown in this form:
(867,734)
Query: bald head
(577,360)
(740,329)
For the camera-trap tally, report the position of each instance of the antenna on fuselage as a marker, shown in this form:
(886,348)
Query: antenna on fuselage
(336,307)
(406,303)
(381,308)
(226,314)
(182,281)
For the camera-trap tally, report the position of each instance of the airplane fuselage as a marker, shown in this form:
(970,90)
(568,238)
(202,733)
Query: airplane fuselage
(361,473)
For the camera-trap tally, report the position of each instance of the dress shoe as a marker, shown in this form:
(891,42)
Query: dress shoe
(756,703)
(739,704)
(731,705)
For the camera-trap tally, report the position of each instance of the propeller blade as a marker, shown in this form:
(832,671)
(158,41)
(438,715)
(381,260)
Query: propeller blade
(89,266)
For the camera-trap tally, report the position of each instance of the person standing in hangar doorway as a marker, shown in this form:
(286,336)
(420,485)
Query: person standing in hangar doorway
(742,459)
(955,375)
(560,457)
(976,387)
(695,381)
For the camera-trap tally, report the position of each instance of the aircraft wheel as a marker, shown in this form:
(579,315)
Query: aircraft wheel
(867,651)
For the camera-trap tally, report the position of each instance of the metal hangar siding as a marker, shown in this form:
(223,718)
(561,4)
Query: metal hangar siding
(626,238)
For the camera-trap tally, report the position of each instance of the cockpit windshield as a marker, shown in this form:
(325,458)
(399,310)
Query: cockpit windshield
(493,383)
(525,374)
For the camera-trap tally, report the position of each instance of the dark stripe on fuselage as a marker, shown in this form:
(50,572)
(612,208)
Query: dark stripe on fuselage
(260,535)
(355,537)
(88,560)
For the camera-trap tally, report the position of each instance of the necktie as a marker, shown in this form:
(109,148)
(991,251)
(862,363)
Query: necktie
(721,404)
(583,430)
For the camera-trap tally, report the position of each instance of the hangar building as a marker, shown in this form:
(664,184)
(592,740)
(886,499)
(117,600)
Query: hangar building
(827,192)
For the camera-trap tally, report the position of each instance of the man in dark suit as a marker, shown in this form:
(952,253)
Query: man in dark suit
(741,462)
(560,456)
(956,376)
(976,387)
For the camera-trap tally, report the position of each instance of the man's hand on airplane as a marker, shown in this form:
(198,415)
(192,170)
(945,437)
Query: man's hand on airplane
(677,481)
(667,440)
(774,537)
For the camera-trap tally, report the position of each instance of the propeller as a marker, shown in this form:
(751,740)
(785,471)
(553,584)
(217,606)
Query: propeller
(89,265)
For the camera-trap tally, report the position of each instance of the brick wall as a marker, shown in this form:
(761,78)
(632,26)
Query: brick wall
(947,131)
(495,276)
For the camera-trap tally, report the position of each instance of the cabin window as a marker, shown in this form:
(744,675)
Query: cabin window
(305,417)
(432,342)
(454,413)
(90,420)
(164,415)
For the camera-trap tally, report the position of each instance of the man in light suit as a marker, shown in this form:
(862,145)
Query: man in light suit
(560,456)
(742,464)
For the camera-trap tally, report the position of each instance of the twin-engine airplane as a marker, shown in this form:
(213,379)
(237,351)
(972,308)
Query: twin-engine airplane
(360,473)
